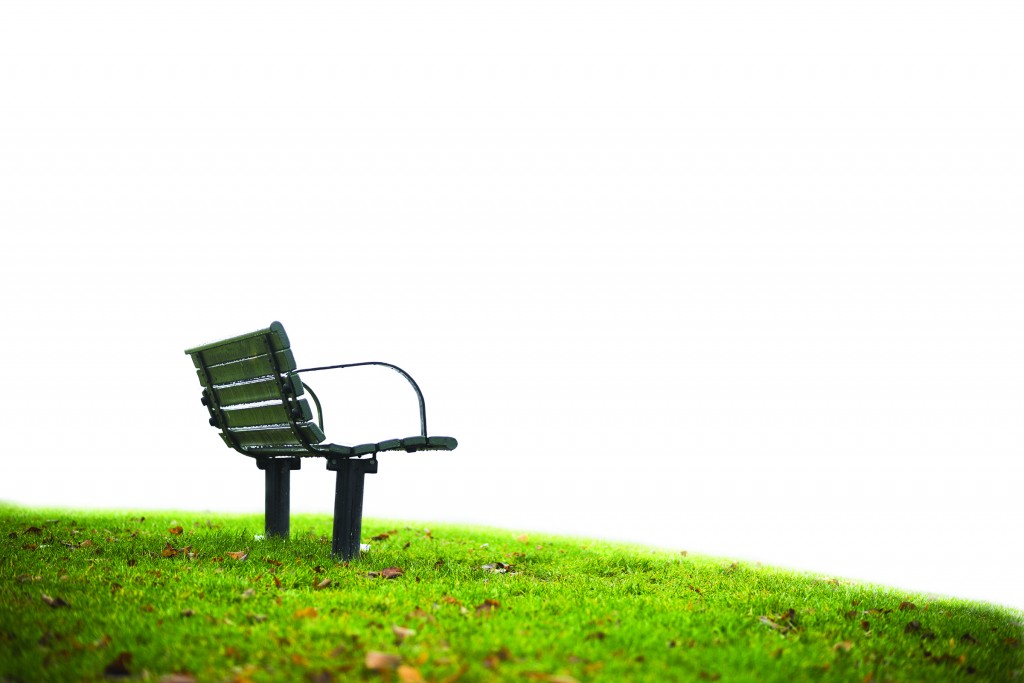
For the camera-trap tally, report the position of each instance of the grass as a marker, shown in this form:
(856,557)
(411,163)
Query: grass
(191,597)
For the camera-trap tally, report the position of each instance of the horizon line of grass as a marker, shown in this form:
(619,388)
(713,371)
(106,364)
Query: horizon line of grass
(186,596)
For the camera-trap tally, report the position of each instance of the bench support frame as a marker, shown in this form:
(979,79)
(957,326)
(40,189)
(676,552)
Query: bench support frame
(278,494)
(348,504)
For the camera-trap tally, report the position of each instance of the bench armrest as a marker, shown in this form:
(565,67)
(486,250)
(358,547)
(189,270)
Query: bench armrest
(403,373)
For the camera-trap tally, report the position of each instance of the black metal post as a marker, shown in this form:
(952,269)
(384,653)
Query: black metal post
(348,504)
(278,494)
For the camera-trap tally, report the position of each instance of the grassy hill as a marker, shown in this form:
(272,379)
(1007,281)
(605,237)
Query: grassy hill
(178,597)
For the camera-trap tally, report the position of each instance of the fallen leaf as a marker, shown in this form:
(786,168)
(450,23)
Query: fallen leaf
(487,606)
(492,660)
(845,646)
(176,530)
(239,555)
(905,605)
(324,584)
(169,551)
(30,546)
(53,602)
(118,668)
(523,539)
(277,581)
(306,613)
(33,530)
(408,674)
(382,661)
(401,633)
(381,537)
(783,623)
(392,572)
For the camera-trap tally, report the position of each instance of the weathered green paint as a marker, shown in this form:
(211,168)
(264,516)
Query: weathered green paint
(254,392)
(242,346)
(250,368)
(253,416)
(276,436)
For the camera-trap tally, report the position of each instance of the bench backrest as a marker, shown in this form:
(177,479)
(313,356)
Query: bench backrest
(252,396)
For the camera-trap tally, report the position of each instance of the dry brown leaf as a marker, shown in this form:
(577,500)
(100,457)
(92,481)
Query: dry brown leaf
(845,646)
(33,530)
(277,581)
(381,537)
(176,530)
(324,584)
(392,572)
(239,555)
(381,661)
(306,613)
(53,602)
(487,606)
(169,551)
(401,633)
(408,674)
(118,668)
(905,605)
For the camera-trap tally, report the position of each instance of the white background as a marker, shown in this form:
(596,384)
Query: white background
(741,278)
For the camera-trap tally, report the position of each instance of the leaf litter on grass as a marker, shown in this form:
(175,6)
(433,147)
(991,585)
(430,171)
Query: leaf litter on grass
(569,610)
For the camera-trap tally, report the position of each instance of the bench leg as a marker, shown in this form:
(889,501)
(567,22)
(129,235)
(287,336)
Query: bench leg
(278,494)
(348,504)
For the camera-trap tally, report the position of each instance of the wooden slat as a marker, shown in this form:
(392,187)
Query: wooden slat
(250,368)
(242,346)
(265,415)
(253,392)
(276,436)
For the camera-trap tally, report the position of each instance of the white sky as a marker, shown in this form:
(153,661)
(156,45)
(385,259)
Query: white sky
(741,278)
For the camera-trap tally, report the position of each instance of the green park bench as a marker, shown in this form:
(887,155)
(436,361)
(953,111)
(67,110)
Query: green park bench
(257,399)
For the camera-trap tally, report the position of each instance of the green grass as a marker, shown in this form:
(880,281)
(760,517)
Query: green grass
(564,609)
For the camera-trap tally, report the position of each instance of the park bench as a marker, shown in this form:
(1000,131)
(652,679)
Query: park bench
(256,398)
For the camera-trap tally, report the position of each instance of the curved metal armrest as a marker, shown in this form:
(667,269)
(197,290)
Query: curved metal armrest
(403,373)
